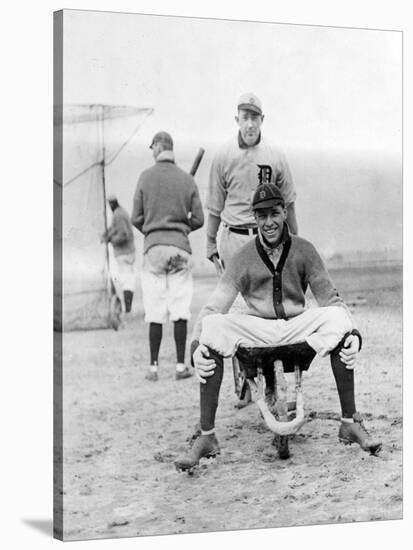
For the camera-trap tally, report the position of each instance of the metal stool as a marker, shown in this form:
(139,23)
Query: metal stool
(283,418)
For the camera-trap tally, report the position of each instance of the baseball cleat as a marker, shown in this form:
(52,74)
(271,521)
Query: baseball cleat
(152,376)
(206,446)
(194,436)
(355,432)
(186,373)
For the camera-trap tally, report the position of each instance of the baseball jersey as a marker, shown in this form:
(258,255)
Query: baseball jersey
(235,173)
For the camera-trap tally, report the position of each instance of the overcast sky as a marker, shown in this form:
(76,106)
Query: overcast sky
(320,86)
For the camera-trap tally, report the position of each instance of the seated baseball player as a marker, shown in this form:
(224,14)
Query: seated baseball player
(272,273)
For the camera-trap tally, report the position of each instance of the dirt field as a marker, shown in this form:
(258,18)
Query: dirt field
(122,434)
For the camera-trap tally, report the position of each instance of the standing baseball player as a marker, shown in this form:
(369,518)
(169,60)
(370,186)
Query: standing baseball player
(166,208)
(272,273)
(242,164)
(120,235)
(239,166)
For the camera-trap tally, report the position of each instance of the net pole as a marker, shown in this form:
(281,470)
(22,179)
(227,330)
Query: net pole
(102,164)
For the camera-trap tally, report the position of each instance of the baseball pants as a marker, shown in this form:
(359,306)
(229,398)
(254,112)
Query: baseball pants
(321,327)
(167,286)
(230,243)
(126,271)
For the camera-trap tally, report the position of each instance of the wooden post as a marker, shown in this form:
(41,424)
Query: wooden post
(281,391)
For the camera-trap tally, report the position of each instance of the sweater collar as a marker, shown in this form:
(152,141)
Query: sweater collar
(284,237)
(165,156)
(243,145)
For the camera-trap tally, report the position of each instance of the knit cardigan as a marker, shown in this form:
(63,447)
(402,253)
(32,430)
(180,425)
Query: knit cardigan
(248,275)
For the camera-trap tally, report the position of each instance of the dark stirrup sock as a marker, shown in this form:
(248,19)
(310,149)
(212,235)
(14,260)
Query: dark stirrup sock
(180,330)
(155,338)
(345,384)
(209,392)
(128,297)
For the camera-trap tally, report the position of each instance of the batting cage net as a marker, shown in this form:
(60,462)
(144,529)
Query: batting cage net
(92,138)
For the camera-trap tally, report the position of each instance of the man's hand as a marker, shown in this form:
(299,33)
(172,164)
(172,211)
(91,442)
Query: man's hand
(212,249)
(204,365)
(349,351)
(212,232)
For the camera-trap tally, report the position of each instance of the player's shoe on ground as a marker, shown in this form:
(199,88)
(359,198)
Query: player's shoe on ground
(206,446)
(195,434)
(181,374)
(152,376)
(355,432)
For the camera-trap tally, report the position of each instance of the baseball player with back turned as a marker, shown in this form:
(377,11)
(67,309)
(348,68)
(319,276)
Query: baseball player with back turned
(166,208)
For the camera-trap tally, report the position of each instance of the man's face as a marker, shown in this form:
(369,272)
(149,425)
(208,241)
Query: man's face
(270,222)
(249,124)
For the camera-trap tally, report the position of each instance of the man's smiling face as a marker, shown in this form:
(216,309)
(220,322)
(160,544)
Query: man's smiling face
(270,222)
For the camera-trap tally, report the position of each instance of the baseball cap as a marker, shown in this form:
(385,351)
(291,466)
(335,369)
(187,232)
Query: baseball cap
(164,138)
(250,102)
(112,197)
(267,195)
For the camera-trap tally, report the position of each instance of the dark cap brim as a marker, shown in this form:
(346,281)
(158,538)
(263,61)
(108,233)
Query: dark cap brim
(268,203)
(249,107)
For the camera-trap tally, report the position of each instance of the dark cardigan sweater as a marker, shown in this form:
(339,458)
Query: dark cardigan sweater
(249,274)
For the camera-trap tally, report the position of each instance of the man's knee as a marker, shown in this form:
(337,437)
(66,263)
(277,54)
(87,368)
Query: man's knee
(216,334)
(214,327)
(338,317)
(215,321)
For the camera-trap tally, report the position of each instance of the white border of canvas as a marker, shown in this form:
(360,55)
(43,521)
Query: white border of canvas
(26,273)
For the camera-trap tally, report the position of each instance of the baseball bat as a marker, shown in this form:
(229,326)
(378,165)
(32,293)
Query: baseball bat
(197,161)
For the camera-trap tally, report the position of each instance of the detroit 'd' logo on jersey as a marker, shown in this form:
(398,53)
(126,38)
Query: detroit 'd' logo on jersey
(264,173)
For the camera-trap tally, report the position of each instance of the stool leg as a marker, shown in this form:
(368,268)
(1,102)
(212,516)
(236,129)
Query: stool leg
(281,406)
(242,388)
(297,374)
(280,391)
(299,398)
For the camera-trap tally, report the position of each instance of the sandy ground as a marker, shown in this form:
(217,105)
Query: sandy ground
(122,434)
